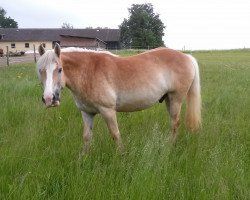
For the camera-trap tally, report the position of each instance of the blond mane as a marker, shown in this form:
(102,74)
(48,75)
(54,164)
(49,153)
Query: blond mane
(77,49)
(46,59)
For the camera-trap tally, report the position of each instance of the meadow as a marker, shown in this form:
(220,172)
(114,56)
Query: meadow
(39,148)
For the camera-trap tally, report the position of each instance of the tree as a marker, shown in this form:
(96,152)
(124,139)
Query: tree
(67,25)
(143,28)
(6,22)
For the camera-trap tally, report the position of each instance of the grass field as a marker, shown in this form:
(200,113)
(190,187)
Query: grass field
(39,148)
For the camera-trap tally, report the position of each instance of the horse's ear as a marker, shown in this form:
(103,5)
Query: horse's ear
(57,50)
(41,50)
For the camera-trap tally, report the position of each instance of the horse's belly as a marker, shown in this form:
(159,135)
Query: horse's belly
(130,102)
(146,93)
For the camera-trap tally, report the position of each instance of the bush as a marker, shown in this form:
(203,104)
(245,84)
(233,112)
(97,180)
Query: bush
(17,53)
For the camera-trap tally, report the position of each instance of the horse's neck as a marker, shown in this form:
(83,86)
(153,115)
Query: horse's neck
(74,73)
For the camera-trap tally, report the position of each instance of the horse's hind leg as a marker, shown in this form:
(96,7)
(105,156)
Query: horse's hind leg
(173,103)
(87,133)
(109,115)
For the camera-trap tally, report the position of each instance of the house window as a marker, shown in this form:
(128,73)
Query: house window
(1,36)
(13,45)
(27,45)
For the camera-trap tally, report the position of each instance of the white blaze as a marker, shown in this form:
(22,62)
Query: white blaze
(48,89)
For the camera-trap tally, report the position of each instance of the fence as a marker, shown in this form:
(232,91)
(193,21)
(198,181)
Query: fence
(17,57)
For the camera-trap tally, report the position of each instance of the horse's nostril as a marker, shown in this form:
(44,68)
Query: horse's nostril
(43,100)
(56,96)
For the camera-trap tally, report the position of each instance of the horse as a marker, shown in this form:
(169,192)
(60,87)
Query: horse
(104,83)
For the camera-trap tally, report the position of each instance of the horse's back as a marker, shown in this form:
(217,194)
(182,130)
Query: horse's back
(160,65)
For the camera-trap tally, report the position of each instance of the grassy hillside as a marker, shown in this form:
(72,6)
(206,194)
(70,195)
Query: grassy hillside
(39,148)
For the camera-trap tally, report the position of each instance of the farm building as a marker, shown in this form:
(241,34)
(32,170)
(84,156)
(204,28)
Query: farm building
(23,39)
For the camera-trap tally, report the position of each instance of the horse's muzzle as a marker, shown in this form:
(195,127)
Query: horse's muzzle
(51,102)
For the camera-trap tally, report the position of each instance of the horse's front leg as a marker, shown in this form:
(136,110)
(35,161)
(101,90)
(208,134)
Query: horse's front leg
(109,115)
(87,133)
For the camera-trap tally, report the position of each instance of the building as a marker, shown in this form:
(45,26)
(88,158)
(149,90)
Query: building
(82,42)
(23,39)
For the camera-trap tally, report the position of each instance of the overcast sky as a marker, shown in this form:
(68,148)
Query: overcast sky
(195,24)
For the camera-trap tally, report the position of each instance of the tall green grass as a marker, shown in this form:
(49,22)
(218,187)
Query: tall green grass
(39,148)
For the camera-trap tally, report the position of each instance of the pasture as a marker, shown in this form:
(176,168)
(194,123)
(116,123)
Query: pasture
(39,148)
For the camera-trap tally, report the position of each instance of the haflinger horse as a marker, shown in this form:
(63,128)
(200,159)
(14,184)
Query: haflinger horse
(104,83)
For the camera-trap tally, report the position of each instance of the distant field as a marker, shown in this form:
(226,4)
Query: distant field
(39,148)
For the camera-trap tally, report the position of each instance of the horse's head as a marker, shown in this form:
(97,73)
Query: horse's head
(50,73)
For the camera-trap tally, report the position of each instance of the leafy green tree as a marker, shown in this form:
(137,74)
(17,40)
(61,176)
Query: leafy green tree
(143,28)
(6,22)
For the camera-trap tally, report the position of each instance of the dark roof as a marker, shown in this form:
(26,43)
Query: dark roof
(41,34)
(72,36)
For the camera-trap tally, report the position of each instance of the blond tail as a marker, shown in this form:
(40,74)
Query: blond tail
(193,113)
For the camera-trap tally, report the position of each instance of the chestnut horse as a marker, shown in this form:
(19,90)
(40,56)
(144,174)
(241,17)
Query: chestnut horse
(104,83)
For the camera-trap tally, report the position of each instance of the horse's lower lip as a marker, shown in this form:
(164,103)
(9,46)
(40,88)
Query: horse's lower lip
(54,104)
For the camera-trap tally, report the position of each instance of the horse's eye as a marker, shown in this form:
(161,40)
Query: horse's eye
(59,70)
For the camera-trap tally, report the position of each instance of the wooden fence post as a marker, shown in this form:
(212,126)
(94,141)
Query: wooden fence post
(8,62)
(34,47)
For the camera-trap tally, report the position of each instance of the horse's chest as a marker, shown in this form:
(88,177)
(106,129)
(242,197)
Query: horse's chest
(84,106)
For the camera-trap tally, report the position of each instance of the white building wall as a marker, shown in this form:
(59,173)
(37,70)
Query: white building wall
(20,46)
